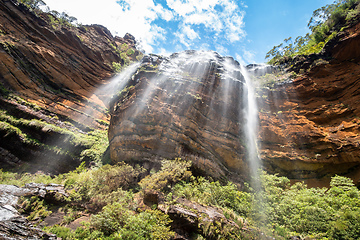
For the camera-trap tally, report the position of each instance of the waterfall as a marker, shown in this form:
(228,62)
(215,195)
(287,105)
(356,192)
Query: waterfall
(116,84)
(105,93)
(251,125)
(194,105)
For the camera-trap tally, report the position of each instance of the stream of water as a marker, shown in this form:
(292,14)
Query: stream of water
(221,82)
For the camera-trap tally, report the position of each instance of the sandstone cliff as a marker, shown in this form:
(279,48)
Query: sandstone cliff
(186,106)
(309,126)
(49,70)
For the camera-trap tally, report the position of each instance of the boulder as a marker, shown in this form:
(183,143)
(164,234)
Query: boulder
(15,226)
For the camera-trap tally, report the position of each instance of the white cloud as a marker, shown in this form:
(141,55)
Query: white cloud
(134,16)
(221,49)
(227,20)
(164,52)
(246,57)
(154,23)
(240,59)
(189,32)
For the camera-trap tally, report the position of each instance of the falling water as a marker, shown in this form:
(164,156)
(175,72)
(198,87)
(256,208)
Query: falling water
(116,84)
(191,88)
(102,95)
(251,127)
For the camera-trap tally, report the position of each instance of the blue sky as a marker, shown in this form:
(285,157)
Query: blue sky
(245,30)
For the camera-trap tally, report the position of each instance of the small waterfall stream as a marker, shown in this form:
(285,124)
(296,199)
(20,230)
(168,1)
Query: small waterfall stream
(195,104)
(251,127)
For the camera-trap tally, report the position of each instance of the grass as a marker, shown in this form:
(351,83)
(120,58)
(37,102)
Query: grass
(92,145)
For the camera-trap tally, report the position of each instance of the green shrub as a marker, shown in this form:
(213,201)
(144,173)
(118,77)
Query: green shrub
(117,67)
(90,185)
(213,193)
(130,52)
(319,212)
(151,224)
(34,207)
(61,232)
(172,171)
(111,218)
(324,24)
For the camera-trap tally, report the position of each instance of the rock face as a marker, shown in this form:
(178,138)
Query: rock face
(55,65)
(309,126)
(190,217)
(15,226)
(188,106)
(49,70)
(183,106)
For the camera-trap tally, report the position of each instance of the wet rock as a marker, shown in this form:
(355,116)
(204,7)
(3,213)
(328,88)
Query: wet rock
(20,228)
(259,70)
(12,224)
(177,107)
(52,193)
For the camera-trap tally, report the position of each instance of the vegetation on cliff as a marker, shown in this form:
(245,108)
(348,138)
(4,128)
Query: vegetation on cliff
(50,118)
(126,203)
(325,23)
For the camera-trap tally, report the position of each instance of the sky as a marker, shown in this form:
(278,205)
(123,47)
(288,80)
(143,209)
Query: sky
(245,30)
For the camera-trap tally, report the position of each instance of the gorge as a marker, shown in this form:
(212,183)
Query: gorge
(75,110)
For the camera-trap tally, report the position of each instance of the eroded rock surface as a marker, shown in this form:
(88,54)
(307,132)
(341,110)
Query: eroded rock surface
(49,70)
(309,126)
(188,106)
(15,226)
(57,66)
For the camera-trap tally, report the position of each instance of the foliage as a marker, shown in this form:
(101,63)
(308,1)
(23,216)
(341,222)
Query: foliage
(33,4)
(96,143)
(20,180)
(213,193)
(34,207)
(92,145)
(122,223)
(324,25)
(277,209)
(102,185)
(171,172)
(298,210)
(117,67)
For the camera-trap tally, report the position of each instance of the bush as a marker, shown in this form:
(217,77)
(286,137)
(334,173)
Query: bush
(120,222)
(88,185)
(172,171)
(298,210)
(213,193)
(34,207)
(324,24)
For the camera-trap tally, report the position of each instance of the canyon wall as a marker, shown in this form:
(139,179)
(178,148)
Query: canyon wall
(309,123)
(49,70)
(309,126)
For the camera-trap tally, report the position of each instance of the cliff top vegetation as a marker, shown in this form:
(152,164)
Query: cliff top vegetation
(325,24)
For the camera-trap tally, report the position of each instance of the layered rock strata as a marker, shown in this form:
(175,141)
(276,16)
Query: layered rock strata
(188,106)
(309,126)
(49,71)
(56,65)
